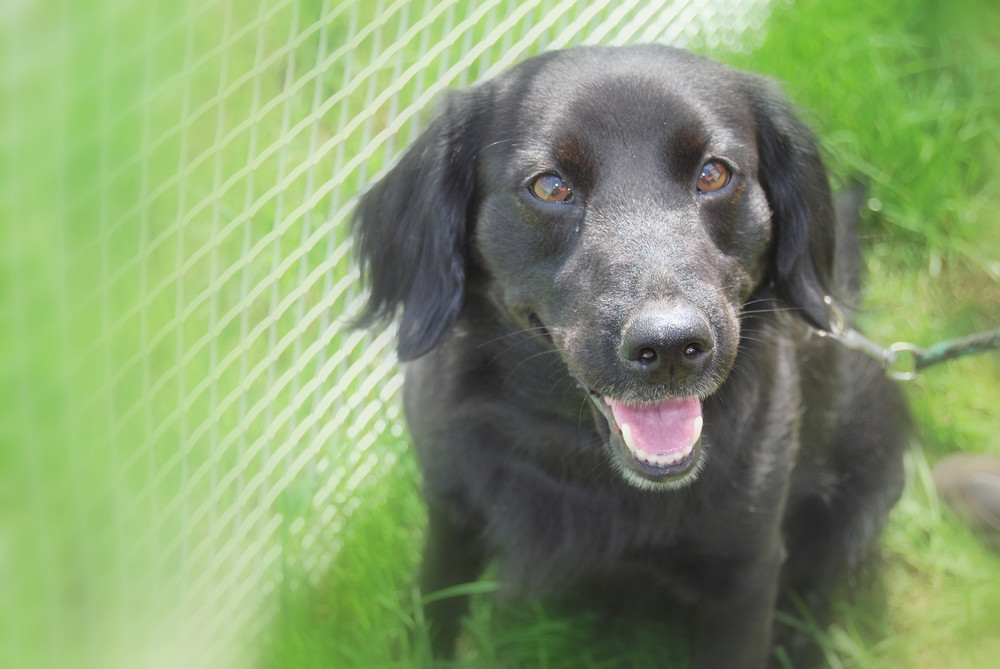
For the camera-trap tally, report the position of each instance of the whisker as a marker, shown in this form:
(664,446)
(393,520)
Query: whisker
(773,310)
(511,140)
(529,332)
(759,300)
(763,342)
(507,335)
(520,363)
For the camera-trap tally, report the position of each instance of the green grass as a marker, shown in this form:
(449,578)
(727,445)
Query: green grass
(189,440)
(903,96)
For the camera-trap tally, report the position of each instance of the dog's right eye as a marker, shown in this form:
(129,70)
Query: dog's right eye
(550,188)
(714,177)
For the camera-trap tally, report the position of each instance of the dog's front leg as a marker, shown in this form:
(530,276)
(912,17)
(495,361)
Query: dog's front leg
(733,629)
(453,555)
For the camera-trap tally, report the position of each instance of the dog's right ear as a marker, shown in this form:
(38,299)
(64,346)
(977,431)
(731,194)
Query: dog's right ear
(794,179)
(411,227)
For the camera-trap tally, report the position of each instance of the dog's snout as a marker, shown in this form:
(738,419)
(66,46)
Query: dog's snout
(667,343)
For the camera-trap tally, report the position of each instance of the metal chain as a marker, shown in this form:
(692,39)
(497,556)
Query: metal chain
(903,361)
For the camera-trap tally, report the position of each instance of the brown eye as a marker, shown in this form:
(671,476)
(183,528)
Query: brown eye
(550,188)
(714,176)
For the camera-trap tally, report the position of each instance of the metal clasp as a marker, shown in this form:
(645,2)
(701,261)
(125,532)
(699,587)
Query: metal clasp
(900,361)
(903,367)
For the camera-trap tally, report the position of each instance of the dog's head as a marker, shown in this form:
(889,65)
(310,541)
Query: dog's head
(625,204)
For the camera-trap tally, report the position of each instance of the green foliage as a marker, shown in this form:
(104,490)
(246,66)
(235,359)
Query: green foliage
(900,93)
(181,407)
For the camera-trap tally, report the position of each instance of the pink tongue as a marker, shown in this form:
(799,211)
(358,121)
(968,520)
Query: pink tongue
(660,429)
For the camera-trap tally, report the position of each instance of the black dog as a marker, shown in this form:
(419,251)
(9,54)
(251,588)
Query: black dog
(611,264)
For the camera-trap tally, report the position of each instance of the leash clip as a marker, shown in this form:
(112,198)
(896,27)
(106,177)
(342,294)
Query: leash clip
(904,361)
(901,361)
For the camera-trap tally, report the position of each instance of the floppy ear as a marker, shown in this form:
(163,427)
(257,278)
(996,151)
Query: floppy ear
(410,230)
(795,182)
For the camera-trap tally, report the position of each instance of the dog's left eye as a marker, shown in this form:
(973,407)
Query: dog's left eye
(714,176)
(550,188)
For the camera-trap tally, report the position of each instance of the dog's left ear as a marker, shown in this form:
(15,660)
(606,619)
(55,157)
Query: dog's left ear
(795,182)
(411,229)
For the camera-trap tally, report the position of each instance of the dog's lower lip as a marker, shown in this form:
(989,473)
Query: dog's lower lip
(672,471)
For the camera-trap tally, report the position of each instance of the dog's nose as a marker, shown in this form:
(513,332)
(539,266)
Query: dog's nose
(667,342)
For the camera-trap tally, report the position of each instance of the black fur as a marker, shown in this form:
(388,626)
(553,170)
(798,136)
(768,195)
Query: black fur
(522,319)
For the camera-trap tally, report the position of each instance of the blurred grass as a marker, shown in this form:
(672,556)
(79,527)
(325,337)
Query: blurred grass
(190,441)
(175,383)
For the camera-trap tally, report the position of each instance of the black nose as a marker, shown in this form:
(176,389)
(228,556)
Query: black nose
(667,342)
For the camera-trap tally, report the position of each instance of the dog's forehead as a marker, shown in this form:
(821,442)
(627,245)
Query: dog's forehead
(635,91)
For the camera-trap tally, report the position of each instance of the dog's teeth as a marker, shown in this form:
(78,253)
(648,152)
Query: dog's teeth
(698,422)
(629,439)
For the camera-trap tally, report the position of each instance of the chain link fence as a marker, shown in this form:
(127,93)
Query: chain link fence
(184,412)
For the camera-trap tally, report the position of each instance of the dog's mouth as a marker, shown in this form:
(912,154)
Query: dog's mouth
(657,445)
